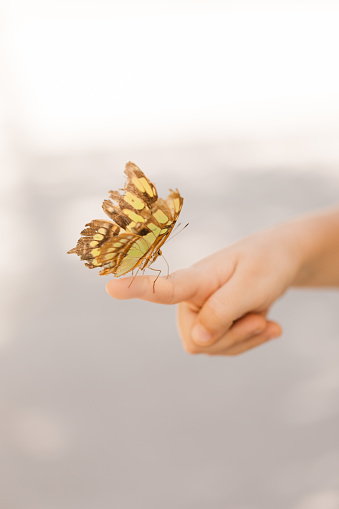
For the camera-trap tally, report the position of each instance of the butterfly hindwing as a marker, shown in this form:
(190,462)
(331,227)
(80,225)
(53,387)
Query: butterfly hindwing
(121,254)
(93,237)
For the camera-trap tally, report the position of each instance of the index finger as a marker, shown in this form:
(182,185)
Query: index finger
(177,287)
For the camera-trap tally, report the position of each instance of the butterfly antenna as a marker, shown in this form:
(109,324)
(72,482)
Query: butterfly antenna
(176,226)
(178,232)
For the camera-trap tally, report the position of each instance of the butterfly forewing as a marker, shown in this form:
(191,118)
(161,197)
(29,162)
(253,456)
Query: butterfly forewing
(133,205)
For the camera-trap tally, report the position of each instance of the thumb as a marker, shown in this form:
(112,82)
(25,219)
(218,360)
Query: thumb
(218,313)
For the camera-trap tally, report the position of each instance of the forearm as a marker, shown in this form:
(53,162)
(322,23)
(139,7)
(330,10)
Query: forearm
(314,241)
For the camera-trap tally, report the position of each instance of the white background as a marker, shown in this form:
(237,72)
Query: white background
(85,74)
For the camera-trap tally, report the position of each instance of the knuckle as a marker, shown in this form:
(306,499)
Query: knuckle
(169,284)
(217,307)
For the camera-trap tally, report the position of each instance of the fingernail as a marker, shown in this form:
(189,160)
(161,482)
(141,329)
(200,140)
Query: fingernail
(258,331)
(200,334)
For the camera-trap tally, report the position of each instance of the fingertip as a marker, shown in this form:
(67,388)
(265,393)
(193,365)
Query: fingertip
(273,330)
(255,324)
(201,336)
(119,288)
(142,287)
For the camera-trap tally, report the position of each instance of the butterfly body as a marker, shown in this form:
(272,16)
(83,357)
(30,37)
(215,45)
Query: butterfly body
(142,222)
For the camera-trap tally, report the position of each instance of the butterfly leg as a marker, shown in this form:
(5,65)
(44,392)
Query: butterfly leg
(156,270)
(168,269)
(134,277)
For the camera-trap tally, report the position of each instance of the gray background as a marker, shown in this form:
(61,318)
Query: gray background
(100,405)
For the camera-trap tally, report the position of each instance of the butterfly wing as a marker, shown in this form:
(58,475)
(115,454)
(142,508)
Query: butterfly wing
(133,206)
(122,254)
(142,223)
(96,235)
(164,216)
(102,245)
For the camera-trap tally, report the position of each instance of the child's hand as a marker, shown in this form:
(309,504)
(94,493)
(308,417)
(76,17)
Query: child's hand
(223,299)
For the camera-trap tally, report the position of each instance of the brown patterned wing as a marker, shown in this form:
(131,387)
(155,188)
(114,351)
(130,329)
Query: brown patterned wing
(93,237)
(134,204)
(174,202)
(122,254)
(102,245)
(127,251)
(164,216)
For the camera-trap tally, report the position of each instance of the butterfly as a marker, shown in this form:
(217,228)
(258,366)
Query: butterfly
(142,222)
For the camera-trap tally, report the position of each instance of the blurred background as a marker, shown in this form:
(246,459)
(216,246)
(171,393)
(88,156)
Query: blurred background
(236,104)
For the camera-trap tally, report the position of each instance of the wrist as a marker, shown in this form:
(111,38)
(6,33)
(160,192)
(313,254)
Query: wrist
(314,244)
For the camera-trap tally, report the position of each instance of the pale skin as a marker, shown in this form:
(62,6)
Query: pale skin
(223,301)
